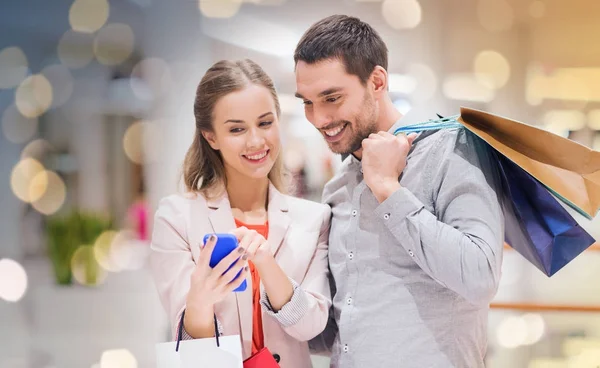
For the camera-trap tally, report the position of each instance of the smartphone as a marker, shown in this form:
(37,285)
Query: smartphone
(226,243)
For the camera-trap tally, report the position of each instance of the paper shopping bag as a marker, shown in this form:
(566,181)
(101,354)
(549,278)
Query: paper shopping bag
(568,169)
(218,351)
(201,353)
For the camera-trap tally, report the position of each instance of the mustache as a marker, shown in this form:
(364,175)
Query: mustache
(335,124)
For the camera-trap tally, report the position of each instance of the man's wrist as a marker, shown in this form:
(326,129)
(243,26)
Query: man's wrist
(386,189)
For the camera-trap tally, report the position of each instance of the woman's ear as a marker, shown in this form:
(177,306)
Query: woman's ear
(210,138)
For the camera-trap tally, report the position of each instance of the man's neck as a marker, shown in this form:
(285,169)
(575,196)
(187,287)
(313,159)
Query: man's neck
(388,116)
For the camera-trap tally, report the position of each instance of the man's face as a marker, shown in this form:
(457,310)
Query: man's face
(337,104)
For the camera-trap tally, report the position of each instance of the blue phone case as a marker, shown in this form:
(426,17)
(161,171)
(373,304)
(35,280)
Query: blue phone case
(226,243)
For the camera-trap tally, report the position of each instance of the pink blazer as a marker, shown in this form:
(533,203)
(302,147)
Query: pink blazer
(298,236)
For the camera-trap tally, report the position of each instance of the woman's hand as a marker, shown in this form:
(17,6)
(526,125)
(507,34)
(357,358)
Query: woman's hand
(209,286)
(256,246)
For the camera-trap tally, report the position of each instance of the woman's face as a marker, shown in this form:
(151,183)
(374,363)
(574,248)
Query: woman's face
(246,132)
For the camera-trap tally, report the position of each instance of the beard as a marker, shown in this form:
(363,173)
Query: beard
(365,123)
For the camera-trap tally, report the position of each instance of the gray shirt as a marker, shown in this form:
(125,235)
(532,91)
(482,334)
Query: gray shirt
(414,275)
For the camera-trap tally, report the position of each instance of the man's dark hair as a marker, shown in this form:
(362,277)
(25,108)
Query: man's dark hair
(355,43)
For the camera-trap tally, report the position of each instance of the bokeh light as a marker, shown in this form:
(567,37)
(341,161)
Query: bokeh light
(53,197)
(466,87)
(139,136)
(219,8)
(38,186)
(36,149)
(564,120)
(402,14)
(34,96)
(535,328)
(88,16)
(512,332)
(22,176)
(13,280)
(114,44)
(61,80)
(151,78)
(13,67)
(103,251)
(86,269)
(118,358)
(16,127)
(75,50)
(491,69)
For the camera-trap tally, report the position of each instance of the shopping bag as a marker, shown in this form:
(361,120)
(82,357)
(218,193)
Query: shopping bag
(219,351)
(262,359)
(568,169)
(539,226)
(544,226)
(591,226)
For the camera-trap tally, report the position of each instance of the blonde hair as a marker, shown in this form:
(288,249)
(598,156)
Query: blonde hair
(203,168)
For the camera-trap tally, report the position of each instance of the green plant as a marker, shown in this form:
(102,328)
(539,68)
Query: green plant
(65,235)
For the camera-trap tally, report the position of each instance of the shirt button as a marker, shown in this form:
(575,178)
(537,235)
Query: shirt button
(351,255)
(354,212)
(410,253)
(346,348)
(349,301)
(386,216)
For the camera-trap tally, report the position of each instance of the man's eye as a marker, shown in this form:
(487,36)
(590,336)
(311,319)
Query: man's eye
(332,99)
(307,102)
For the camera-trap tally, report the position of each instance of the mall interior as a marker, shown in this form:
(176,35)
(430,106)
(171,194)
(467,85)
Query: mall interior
(96,114)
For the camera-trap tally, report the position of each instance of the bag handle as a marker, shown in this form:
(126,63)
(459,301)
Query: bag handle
(180,330)
(442,123)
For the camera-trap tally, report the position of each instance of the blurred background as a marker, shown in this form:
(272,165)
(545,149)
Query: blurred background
(96,115)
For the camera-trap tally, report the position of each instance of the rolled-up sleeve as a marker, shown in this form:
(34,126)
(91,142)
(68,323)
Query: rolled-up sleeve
(306,314)
(460,246)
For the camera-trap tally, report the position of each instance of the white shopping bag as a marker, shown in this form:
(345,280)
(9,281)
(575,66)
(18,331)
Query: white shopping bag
(200,353)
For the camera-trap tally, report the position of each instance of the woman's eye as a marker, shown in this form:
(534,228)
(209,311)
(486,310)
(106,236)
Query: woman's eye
(266,123)
(236,130)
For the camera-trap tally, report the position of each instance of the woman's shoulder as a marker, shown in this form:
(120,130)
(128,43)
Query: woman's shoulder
(181,202)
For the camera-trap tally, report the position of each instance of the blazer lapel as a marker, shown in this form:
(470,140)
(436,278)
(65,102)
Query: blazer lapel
(279,221)
(222,221)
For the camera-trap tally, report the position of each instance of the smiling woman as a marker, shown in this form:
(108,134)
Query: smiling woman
(226,89)
(232,173)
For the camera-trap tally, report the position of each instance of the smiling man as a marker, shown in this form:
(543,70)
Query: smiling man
(415,247)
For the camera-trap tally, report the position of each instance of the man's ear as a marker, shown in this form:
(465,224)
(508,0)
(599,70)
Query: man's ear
(379,79)
(210,138)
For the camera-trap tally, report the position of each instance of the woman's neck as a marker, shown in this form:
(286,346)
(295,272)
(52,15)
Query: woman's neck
(248,198)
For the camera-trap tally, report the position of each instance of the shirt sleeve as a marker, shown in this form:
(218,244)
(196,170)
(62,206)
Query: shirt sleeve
(461,244)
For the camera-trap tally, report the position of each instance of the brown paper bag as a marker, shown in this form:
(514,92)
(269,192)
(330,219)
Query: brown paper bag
(568,169)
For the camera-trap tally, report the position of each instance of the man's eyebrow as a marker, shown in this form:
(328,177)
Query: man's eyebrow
(330,91)
(326,92)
